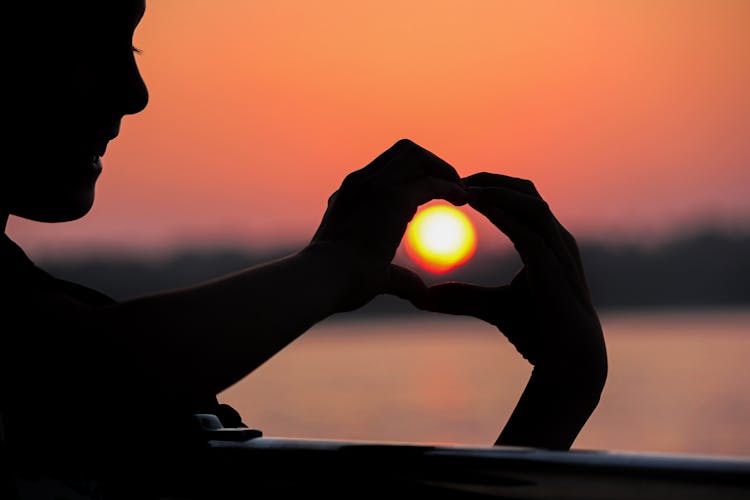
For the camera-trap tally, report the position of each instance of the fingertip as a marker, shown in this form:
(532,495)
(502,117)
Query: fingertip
(459,197)
(452,192)
(476,196)
(454,298)
(406,284)
(476,179)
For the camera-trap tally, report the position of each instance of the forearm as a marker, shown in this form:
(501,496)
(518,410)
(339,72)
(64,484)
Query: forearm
(555,405)
(206,338)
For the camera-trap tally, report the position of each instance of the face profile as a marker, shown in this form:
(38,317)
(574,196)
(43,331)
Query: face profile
(74,77)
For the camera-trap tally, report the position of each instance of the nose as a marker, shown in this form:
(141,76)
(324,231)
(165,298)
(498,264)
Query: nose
(134,93)
(123,90)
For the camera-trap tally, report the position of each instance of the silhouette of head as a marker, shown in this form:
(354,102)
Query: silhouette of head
(73,76)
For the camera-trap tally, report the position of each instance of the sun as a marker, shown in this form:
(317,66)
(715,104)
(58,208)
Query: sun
(440,238)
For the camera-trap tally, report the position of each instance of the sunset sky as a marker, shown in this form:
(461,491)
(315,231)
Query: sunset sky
(632,117)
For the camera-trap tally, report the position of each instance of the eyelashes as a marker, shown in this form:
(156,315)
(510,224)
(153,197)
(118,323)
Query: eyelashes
(136,50)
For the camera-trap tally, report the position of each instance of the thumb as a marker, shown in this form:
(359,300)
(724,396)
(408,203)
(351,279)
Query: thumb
(461,299)
(407,285)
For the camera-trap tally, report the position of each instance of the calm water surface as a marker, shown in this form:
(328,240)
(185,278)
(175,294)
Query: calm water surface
(677,383)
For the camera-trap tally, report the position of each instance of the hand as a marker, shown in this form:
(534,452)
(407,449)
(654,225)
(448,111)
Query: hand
(367,216)
(546,312)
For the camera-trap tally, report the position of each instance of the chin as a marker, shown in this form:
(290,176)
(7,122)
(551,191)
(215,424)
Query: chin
(59,209)
(71,214)
(53,190)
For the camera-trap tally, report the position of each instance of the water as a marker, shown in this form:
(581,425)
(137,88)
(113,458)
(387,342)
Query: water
(678,383)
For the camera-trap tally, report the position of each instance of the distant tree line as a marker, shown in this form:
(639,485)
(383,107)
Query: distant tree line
(710,269)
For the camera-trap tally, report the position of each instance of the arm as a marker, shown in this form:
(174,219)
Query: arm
(546,312)
(207,337)
(551,412)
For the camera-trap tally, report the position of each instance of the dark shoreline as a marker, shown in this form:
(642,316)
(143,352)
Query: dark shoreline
(706,270)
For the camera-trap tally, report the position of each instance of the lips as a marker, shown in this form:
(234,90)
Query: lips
(100,147)
(96,147)
(92,170)
(89,160)
(93,163)
(99,144)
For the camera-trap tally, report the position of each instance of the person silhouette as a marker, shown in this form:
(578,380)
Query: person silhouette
(88,382)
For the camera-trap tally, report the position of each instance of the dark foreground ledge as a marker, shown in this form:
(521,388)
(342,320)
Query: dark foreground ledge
(235,464)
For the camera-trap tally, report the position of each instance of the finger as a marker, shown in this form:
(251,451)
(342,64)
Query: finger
(414,162)
(436,166)
(332,198)
(575,254)
(485,179)
(530,209)
(365,174)
(531,247)
(570,246)
(532,228)
(407,285)
(461,299)
(398,148)
(421,190)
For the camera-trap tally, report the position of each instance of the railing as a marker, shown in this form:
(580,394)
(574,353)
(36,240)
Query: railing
(242,464)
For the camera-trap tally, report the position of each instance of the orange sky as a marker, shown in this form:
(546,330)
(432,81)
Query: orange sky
(632,117)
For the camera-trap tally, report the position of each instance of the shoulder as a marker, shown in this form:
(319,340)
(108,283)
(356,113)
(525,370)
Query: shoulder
(25,283)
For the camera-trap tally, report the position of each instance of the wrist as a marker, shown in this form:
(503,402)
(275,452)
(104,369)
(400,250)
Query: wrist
(580,356)
(355,275)
(579,377)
